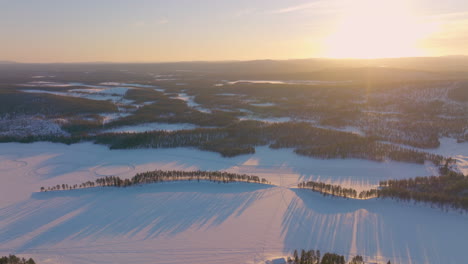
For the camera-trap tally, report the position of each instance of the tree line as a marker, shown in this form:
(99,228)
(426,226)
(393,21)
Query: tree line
(315,257)
(162,176)
(243,137)
(337,190)
(12,259)
(449,190)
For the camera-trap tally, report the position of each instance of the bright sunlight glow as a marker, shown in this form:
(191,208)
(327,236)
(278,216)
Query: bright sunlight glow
(376,29)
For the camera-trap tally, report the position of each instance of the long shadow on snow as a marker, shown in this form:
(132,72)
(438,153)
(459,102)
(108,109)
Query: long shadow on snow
(393,230)
(142,212)
(94,156)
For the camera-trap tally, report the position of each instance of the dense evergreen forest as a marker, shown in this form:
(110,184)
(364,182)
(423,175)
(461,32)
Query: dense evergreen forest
(162,176)
(315,257)
(337,190)
(244,136)
(450,190)
(12,259)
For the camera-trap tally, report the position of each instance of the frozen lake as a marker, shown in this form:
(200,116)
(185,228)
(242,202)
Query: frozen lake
(49,163)
(207,222)
(150,127)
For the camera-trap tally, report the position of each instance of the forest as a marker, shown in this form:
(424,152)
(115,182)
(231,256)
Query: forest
(244,136)
(315,257)
(337,190)
(450,190)
(12,259)
(161,176)
(447,191)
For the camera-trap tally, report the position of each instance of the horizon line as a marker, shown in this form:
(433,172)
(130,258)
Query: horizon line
(227,60)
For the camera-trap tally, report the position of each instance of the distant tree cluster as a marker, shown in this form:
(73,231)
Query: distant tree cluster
(12,259)
(163,176)
(420,134)
(315,257)
(450,190)
(243,137)
(370,150)
(337,190)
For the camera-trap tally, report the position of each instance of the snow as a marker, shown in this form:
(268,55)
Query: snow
(306,82)
(150,127)
(230,94)
(107,118)
(106,88)
(263,104)
(350,129)
(208,223)
(42,76)
(191,102)
(112,91)
(201,223)
(91,96)
(127,84)
(45,84)
(277,166)
(23,126)
(267,119)
(450,148)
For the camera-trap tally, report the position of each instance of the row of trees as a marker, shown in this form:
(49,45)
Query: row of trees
(370,150)
(314,257)
(450,190)
(12,259)
(163,176)
(337,190)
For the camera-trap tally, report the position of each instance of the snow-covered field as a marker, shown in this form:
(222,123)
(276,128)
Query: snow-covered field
(300,82)
(208,222)
(23,126)
(150,127)
(450,148)
(267,119)
(108,92)
(190,100)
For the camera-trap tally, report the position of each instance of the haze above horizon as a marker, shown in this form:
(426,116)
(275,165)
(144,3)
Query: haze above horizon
(218,30)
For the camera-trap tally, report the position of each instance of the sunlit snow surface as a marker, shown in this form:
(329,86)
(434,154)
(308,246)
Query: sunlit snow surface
(209,222)
(150,127)
(298,82)
(190,100)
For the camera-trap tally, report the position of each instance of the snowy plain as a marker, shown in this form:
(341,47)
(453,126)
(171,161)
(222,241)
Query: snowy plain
(145,127)
(208,222)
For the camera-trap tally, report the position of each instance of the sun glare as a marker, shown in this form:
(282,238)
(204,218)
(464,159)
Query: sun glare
(377,29)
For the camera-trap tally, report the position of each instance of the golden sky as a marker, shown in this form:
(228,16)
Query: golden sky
(186,30)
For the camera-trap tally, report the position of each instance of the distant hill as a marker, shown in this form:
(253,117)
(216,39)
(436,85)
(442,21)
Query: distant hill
(8,62)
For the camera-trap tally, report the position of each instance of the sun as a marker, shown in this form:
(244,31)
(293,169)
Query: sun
(377,29)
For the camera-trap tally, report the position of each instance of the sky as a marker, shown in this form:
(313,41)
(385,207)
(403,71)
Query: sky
(211,30)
